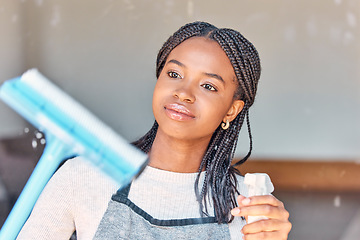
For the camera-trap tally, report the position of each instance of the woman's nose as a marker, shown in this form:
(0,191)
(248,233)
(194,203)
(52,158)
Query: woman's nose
(185,93)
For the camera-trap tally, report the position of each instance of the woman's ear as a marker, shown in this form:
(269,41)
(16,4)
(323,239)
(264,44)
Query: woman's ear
(234,110)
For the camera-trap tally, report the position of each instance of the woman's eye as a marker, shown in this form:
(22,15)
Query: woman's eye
(174,75)
(209,87)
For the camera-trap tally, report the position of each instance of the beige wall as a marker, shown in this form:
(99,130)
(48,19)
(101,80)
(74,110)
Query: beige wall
(12,59)
(103,53)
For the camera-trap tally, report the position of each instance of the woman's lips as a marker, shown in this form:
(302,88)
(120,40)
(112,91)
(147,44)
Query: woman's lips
(178,112)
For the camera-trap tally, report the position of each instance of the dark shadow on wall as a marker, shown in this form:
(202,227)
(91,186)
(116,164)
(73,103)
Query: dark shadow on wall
(18,157)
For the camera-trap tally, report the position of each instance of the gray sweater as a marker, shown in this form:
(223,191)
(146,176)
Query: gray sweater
(79,196)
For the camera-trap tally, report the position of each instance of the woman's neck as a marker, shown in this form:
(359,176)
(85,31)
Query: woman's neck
(177,155)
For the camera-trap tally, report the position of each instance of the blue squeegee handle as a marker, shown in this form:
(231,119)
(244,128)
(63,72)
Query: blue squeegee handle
(54,153)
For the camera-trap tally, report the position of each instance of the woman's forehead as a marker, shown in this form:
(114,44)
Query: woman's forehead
(203,53)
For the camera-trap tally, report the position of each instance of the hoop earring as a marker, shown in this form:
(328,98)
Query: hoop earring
(225,125)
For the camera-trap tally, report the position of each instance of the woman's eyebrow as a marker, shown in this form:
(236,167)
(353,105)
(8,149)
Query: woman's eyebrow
(216,76)
(176,62)
(212,75)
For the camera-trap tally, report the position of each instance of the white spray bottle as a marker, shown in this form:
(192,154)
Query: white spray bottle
(258,184)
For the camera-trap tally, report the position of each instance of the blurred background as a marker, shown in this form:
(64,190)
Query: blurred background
(305,120)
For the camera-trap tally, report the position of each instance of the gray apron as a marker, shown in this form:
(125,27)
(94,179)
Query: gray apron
(124,220)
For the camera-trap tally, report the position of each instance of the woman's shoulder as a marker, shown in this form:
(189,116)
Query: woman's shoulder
(82,173)
(80,166)
(76,164)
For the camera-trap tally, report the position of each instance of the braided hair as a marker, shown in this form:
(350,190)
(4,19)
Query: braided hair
(220,174)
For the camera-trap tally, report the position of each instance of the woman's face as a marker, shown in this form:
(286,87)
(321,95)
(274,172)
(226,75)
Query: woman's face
(194,91)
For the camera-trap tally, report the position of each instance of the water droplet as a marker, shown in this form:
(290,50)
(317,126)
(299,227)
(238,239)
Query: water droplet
(39,2)
(38,135)
(290,33)
(337,201)
(34,143)
(311,28)
(190,8)
(26,130)
(14,18)
(348,37)
(56,16)
(351,19)
(42,141)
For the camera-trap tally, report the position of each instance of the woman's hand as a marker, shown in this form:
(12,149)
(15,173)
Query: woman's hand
(276,227)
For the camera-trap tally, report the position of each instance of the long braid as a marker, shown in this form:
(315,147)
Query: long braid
(220,176)
(146,141)
(220,171)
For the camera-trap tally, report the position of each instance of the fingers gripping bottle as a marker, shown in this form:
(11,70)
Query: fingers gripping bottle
(258,184)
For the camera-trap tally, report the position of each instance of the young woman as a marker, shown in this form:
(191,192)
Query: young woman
(207,81)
